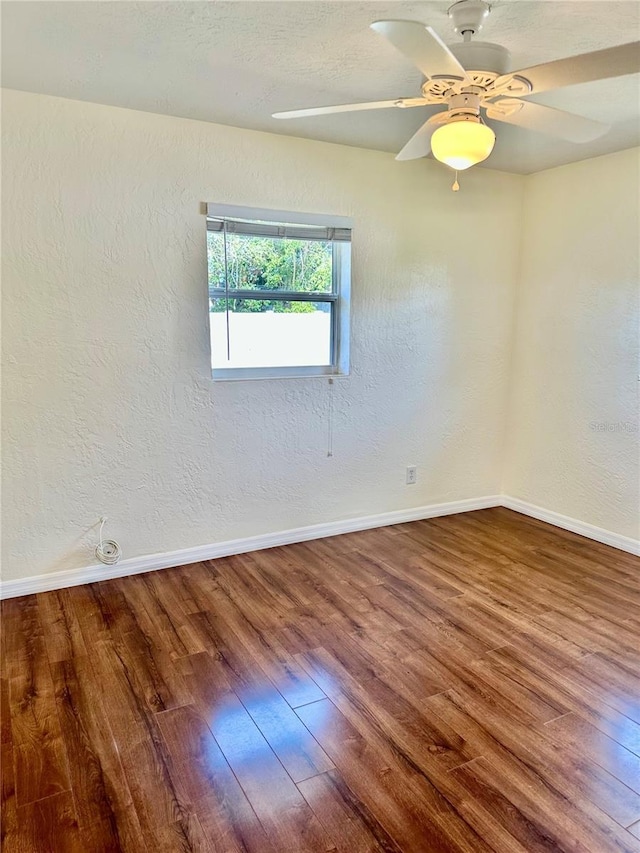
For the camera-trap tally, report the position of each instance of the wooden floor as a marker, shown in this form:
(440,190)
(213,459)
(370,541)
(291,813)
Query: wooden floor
(469,683)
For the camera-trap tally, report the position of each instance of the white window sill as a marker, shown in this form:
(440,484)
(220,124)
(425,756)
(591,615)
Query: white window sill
(234,374)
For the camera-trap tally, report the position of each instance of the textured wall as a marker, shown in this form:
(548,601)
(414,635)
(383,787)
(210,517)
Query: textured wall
(573,425)
(108,405)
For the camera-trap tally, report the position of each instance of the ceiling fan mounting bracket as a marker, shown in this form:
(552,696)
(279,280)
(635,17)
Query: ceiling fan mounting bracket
(468,16)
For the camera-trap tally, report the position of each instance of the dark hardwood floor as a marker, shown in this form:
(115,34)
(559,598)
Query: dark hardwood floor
(469,683)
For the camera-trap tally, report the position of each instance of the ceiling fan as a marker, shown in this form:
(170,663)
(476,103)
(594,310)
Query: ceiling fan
(472,76)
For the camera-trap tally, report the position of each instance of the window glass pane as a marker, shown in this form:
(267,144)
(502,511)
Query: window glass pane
(267,263)
(268,333)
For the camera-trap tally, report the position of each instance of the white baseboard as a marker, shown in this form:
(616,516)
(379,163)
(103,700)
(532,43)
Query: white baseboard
(623,543)
(151,562)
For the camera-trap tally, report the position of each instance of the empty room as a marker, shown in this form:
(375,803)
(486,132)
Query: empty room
(320,426)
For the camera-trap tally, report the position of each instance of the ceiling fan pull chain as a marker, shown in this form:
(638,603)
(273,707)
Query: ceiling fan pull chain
(455,186)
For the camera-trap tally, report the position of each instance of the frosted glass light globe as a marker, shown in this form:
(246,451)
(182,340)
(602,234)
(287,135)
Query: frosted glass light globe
(461,144)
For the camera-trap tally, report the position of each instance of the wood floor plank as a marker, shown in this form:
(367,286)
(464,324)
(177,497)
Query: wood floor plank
(8,813)
(536,673)
(282,810)
(426,739)
(461,684)
(49,824)
(41,768)
(345,817)
(251,658)
(269,788)
(577,734)
(5,712)
(504,824)
(602,679)
(540,828)
(583,795)
(206,781)
(61,629)
(386,781)
(106,814)
(300,754)
(241,581)
(166,621)
(145,762)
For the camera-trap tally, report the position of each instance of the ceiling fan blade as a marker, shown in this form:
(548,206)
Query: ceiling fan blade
(348,108)
(420,143)
(546,120)
(423,46)
(599,65)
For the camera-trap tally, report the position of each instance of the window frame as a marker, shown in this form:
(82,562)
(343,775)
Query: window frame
(339,297)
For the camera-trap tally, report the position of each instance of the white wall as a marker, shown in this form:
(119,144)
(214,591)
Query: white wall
(108,405)
(573,442)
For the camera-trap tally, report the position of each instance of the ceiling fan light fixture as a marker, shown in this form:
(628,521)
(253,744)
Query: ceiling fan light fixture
(463,143)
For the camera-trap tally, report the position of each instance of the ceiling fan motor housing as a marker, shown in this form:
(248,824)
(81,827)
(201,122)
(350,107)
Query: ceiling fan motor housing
(481,56)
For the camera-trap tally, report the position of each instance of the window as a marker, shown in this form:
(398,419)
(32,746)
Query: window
(278,293)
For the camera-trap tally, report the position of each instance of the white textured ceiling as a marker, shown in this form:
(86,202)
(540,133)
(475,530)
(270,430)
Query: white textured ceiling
(237,62)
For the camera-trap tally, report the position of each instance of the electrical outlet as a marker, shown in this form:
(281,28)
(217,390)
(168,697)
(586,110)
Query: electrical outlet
(412,475)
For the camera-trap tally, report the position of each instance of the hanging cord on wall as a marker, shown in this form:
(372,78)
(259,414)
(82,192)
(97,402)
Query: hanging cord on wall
(226,287)
(330,430)
(107,550)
